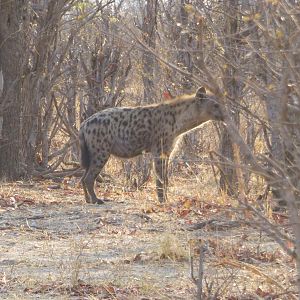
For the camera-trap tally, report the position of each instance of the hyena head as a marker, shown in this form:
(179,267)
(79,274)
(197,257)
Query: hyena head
(208,105)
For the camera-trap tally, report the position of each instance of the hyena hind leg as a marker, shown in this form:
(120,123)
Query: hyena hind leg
(88,181)
(86,194)
(161,172)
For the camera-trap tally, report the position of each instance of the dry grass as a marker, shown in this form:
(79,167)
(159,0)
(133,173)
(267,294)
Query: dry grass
(170,247)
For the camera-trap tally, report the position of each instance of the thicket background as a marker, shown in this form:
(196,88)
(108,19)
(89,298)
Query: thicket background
(61,61)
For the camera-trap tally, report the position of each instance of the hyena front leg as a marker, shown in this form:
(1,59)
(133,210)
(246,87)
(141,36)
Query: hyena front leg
(88,180)
(161,171)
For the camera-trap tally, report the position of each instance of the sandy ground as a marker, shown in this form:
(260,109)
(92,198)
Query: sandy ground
(55,246)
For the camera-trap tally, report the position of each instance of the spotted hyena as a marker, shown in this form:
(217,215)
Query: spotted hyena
(127,132)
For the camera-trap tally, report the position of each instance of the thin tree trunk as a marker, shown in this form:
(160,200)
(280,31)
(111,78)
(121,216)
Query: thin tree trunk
(29,114)
(71,98)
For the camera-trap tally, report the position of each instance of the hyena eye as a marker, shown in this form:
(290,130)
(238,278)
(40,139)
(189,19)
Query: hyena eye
(216,105)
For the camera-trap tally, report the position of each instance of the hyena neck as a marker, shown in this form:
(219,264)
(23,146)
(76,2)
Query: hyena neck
(188,116)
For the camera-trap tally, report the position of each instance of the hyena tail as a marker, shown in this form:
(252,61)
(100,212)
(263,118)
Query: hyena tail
(84,152)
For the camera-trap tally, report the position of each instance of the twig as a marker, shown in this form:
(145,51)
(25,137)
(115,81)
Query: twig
(199,281)
(191,254)
(270,229)
(254,270)
(214,171)
(77,172)
(27,223)
(201,271)
(69,128)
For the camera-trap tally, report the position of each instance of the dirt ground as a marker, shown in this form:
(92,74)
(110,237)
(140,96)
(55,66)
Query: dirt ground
(55,246)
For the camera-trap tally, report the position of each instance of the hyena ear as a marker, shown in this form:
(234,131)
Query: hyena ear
(201,93)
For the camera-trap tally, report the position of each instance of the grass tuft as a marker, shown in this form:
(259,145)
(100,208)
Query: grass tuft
(171,248)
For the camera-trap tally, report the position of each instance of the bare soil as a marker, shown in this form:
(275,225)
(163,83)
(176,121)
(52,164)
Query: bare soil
(55,246)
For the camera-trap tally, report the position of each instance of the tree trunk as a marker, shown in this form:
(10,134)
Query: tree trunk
(149,36)
(184,44)
(228,178)
(184,61)
(31,93)
(143,164)
(138,173)
(274,108)
(11,62)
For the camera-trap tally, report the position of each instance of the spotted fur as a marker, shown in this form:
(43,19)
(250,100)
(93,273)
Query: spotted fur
(127,132)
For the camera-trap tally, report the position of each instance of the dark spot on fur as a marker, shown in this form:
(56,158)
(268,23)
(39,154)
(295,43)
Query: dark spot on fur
(173,118)
(94,131)
(116,119)
(125,123)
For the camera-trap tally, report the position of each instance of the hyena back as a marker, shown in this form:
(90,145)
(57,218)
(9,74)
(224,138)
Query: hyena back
(127,132)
